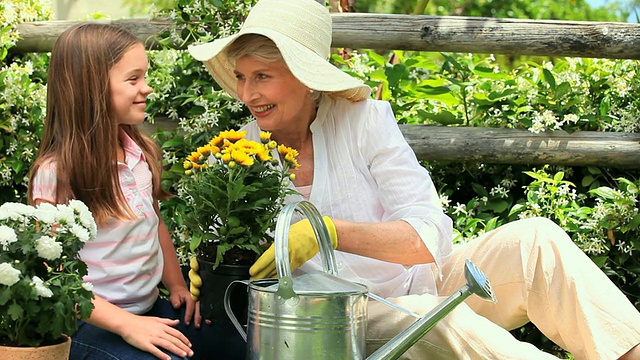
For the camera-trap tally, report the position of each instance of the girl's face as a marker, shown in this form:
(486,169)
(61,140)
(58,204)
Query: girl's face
(128,89)
(274,96)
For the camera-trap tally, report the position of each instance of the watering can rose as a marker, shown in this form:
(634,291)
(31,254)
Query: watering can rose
(235,188)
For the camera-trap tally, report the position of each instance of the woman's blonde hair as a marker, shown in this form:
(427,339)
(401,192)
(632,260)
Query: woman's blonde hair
(261,48)
(258,46)
(81,132)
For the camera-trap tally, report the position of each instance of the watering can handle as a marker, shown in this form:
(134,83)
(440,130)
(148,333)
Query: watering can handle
(227,307)
(283,222)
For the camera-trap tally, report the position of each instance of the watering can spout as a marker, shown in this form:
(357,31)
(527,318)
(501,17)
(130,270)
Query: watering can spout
(477,283)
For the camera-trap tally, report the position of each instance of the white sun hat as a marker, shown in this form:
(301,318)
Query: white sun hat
(301,29)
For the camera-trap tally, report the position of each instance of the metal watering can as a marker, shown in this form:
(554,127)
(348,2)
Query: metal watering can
(320,315)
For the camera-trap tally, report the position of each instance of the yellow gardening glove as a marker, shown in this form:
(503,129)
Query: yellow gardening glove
(302,247)
(196,280)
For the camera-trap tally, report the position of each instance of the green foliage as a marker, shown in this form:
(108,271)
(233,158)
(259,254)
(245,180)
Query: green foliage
(473,90)
(42,293)
(23,99)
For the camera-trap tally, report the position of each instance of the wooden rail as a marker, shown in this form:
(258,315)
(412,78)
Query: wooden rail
(509,146)
(419,32)
(454,34)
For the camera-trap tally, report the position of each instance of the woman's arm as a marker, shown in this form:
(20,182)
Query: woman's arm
(393,241)
(407,225)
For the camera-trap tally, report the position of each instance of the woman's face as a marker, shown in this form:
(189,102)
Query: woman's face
(273,95)
(128,89)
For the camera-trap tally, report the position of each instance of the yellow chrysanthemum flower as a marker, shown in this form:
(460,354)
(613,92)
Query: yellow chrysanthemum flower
(272,144)
(289,155)
(233,135)
(216,141)
(248,146)
(242,158)
(265,136)
(226,157)
(264,155)
(205,150)
(187,165)
(194,157)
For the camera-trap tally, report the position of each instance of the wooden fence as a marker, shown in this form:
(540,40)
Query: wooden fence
(457,34)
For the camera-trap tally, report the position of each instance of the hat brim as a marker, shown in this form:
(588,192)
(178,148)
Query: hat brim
(310,69)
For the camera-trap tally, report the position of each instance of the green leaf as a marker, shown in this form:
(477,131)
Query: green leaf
(587,180)
(434,90)
(479,189)
(562,90)
(15,311)
(5,294)
(445,118)
(548,76)
(491,224)
(599,260)
(634,223)
(604,192)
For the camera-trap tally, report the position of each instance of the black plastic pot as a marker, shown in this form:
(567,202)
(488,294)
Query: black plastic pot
(214,285)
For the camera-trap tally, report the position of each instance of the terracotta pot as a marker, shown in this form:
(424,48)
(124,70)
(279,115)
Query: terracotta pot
(50,352)
(214,285)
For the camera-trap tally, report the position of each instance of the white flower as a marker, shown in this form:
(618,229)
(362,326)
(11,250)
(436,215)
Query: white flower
(41,289)
(80,232)
(87,286)
(8,274)
(85,215)
(7,236)
(14,211)
(66,215)
(48,248)
(46,213)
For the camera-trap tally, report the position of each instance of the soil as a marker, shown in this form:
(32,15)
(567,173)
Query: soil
(234,256)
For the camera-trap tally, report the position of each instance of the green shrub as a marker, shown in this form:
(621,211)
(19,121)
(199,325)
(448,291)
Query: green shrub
(23,92)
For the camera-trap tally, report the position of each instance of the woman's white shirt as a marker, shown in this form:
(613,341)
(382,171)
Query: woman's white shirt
(365,171)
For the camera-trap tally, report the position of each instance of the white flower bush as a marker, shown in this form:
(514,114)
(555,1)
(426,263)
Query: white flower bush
(42,294)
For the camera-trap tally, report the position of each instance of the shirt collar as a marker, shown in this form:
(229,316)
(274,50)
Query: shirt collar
(133,152)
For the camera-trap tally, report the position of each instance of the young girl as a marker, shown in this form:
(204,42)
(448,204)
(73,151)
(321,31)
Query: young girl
(92,150)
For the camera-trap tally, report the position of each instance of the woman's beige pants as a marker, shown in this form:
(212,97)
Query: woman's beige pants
(538,274)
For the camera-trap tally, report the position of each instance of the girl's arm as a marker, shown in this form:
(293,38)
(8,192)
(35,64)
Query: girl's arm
(172,276)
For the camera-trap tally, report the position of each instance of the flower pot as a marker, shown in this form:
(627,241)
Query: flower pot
(50,352)
(214,285)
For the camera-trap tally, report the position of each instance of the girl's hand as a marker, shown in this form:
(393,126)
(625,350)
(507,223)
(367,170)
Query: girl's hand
(149,334)
(192,311)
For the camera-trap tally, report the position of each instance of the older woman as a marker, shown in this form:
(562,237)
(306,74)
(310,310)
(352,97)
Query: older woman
(384,214)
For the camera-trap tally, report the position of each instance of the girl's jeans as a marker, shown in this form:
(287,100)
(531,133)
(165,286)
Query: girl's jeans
(216,341)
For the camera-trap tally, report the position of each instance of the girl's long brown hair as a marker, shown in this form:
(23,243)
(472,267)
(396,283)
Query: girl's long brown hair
(81,133)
